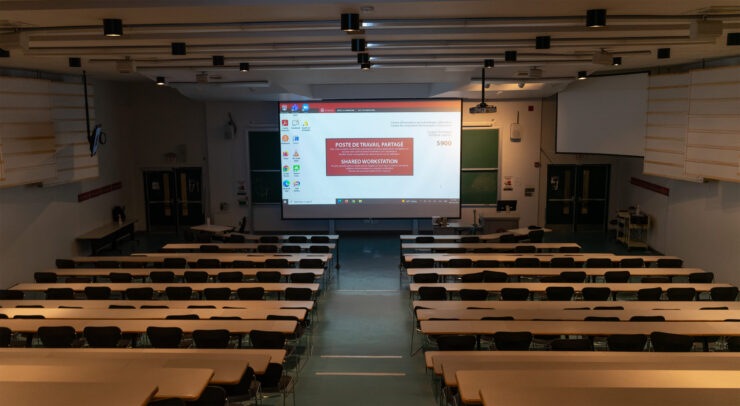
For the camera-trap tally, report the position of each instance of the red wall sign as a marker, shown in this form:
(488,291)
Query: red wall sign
(97,192)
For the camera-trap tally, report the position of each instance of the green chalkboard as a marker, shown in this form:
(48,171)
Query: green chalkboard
(264,163)
(479,187)
(479,149)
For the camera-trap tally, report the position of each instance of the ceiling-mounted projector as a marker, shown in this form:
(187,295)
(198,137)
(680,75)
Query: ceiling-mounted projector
(482,107)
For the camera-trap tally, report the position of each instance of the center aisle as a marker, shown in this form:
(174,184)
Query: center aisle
(361,344)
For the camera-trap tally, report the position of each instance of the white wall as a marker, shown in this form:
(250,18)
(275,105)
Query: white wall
(699,222)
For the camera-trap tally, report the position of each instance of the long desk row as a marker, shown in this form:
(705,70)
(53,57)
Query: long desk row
(513,271)
(241,246)
(180,272)
(159,257)
(161,287)
(139,326)
(511,257)
(578,287)
(540,246)
(149,314)
(576,315)
(171,304)
(518,232)
(579,305)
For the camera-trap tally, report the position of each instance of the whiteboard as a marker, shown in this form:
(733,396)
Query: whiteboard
(603,115)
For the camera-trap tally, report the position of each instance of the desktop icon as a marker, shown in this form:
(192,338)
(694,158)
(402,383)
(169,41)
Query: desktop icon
(294,107)
(353,201)
(304,107)
(296,155)
(305,123)
(285,138)
(296,138)
(297,183)
(339,200)
(346,201)
(286,183)
(296,123)
(286,168)
(286,154)
(296,168)
(360,200)
(283,107)
(285,123)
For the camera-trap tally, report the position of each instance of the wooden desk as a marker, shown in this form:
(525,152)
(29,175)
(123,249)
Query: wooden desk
(140,326)
(554,271)
(238,246)
(285,237)
(172,304)
(151,314)
(77,393)
(212,228)
(192,257)
(495,246)
(183,383)
(470,383)
(540,287)
(519,232)
(555,305)
(499,395)
(160,287)
(108,234)
(559,314)
(586,328)
(505,258)
(180,272)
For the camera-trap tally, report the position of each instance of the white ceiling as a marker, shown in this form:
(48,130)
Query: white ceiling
(296,49)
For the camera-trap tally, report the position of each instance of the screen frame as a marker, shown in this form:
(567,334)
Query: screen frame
(459,169)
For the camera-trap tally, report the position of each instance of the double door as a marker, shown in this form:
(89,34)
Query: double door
(578,197)
(174,198)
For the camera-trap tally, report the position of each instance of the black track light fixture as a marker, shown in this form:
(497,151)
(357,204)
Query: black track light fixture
(365,66)
(542,42)
(358,44)
(664,53)
(363,57)
(75,62)
(112,27)
(350,22)
(161,81)
(179,48)
(510,56)
(582,75)
(596,18)
(218,60)
(488,63)
(616,61)
(244,67)
(733,38)
(4,53)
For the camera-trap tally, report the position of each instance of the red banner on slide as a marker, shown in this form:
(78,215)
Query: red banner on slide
(369,157)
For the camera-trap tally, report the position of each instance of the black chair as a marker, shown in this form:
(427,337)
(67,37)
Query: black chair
(121,307)
(649,294)
(60,294)
(269,239)
(508,239)
(669,263)
(300,294)
(536,236)
(573,344)
(28,316)
(432,293)
(240,263)
(164,337)
(268,249)
(460,263)
(598,263)
(320,239)
(139,293)
(562,262)
(569,250)
(267,340)
(512,341)
(473,294)
(525,249)
(715,308)
(647,318)
(268,276)
(472,277)
(667,342)
(527,263)
(656,279)
(230,277)
(573,276)
(177,263)
(494,277)
(596,294)
(208,263)
(617,276)
(311,263)
(626,342)
(487,263)
(424,240)
(277,263)
(290,249)
(185,316)
(470,239)
(154,307)
(250,293)
(559,293)
(514,294)
(599,318)
(8,294)
(632,263)
(426,278)
(235,239)
(5,336)
(681,294)
(723,294)
(211,338)
(701,277)
(178,292)
(319,249)
(297,239)
(57,336)
(733,344)
(196,276)
(107,264)
(162,276)
(45,277)
(217,293)
(302,277)
(420,263)
(209,248)
(102,337)
(65,263)
(458,342)
(120,277)
(609,308)
(194,316)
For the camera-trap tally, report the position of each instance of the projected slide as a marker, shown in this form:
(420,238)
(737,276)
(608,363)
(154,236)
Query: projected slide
(370,159)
